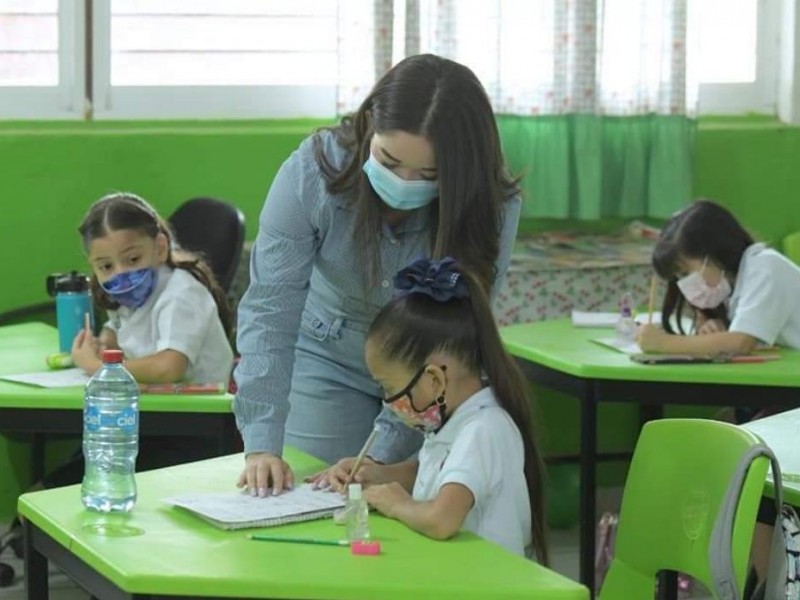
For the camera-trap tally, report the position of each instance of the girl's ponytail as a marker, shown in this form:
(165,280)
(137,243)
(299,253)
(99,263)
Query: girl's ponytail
(512,393)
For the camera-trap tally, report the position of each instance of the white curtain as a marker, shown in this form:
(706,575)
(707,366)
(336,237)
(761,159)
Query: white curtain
(535,57)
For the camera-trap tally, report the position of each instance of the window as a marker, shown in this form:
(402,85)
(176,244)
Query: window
(735,58)
(279,58)
(40,61)
(206,58)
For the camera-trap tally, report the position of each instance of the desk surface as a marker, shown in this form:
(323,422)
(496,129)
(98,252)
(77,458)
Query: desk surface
(178,553)
(23,349)
(781,432)
(559,345)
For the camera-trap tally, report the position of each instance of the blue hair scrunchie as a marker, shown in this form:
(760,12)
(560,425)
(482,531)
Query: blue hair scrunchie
(439,279)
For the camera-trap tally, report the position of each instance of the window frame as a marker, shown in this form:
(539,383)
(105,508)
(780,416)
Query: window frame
(65,100)
(195,102)
(760,96)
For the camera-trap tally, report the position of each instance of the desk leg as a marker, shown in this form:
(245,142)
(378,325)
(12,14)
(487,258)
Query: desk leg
(588,484)
(36,582)
(667,585)
(37,456)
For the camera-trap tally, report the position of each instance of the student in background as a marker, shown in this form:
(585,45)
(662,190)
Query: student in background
(437,354)
(417,170)
(166,311)
(739,293)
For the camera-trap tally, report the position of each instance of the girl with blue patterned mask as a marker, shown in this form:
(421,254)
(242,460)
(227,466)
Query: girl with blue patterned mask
(166,311)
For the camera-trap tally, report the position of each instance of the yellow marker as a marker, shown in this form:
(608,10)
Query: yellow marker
(62,360)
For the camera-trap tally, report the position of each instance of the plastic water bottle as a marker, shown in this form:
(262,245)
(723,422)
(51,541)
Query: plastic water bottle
(110,437)
(357,514)
(626,326)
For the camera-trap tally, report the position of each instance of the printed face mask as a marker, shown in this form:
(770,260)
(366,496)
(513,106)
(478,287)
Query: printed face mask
(131,288)
(396,192)
(428,420)
(698,293)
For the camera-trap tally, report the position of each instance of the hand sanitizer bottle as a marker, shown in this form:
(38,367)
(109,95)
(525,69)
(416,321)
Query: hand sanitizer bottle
(626,326)
(357,514)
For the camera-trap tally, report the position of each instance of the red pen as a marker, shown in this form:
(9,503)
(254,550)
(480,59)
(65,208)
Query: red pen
(182,388)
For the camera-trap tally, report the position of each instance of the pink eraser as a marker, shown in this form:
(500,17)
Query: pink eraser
(365,548)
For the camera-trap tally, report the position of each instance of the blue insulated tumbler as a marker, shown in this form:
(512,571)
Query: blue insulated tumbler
(73,301)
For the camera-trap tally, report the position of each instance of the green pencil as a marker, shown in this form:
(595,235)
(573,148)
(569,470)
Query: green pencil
(297,540)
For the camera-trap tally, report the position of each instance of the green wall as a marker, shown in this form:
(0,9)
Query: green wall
(51,172)
(752,166)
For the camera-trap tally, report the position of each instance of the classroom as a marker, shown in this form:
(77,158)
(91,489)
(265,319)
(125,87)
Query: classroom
(583,213)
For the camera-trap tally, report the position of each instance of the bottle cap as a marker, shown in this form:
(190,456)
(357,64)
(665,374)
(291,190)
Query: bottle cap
(112,356)
(66,282)
(354,491)
(365,547)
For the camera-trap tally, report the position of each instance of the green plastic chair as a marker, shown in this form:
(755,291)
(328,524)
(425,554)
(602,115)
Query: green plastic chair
(790,246)
(680,475)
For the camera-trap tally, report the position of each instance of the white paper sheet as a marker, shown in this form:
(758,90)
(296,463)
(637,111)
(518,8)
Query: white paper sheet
(582,318)
(237,510)
(625,347)
(51,379)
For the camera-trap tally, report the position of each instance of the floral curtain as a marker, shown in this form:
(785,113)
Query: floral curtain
(594,98)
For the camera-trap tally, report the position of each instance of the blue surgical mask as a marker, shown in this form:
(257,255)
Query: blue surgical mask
(396,192)
(131,288)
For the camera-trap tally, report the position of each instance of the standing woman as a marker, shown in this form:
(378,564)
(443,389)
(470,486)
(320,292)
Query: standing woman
(416,171)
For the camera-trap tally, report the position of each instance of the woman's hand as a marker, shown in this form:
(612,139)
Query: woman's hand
(86,352)
(264,471)
(334,477)
(651,338)
(387,498)
(711,326)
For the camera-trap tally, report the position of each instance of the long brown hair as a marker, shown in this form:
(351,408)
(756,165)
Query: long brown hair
(444,102)
(412,327)
(702,230)
(128,211)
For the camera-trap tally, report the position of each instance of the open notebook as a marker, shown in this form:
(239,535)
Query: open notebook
(238,510)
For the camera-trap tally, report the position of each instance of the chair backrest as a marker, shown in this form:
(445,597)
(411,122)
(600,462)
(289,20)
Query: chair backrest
(679,478)
(213,229)
(790,246)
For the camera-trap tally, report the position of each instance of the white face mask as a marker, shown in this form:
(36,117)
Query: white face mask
(702,295)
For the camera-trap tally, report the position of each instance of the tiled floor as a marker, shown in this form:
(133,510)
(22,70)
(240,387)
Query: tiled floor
(563,553)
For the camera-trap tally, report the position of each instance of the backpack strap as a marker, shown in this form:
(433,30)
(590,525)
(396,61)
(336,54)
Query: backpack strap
(723,576)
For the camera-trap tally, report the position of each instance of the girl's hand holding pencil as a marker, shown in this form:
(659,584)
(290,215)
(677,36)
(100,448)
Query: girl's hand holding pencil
(86,349)
(359,469)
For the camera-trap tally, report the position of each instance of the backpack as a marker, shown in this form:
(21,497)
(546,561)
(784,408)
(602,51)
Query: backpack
(783,572)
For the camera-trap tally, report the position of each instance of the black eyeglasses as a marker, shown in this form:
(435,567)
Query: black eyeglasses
(406,391)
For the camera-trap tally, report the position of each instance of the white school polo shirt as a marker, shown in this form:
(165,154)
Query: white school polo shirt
(481,448)
(179,315)
(765,302)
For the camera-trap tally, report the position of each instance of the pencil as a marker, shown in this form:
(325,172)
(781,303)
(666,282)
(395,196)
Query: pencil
(87,322)
(182,388)
(297,540)
(651,300)
(361,456)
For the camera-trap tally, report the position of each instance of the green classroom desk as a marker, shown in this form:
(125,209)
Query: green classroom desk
(781,432)
(560,356)
(40,411)
(180,555)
